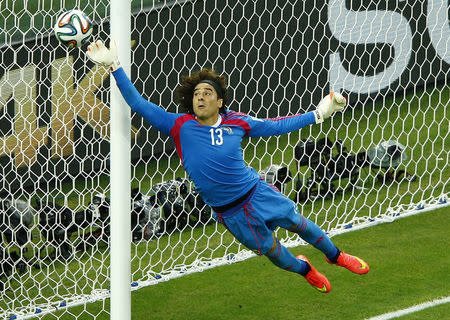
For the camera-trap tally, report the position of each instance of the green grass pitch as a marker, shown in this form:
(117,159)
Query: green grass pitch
(409,266)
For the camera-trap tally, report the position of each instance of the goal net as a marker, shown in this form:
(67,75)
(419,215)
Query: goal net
(383,158)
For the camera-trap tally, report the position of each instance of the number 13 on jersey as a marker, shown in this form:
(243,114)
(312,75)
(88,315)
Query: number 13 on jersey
(216,136)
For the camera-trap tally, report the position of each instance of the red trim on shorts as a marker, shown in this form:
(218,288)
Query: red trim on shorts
(247,209)
(303,226)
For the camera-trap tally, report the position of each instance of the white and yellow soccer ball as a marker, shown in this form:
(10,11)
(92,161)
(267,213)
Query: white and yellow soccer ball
(73,28)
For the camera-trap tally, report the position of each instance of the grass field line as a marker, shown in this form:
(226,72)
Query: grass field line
(415,308)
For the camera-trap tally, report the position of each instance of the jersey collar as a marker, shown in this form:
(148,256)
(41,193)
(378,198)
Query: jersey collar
(219,120)
(215,125)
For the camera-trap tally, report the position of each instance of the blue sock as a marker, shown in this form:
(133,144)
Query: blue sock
(311,233)
(284,259)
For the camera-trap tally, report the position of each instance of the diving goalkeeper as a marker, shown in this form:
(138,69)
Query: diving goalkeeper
(208,140)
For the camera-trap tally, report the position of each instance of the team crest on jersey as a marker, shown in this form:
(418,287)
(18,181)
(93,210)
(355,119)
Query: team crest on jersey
(228,130)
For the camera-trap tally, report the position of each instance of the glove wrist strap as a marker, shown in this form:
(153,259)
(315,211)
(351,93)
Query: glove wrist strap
(318,116)
(114,66)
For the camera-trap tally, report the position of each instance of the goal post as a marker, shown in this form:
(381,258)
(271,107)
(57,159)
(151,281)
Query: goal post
(120,170)
(94,202)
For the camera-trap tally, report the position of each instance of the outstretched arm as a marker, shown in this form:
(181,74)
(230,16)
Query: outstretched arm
(155,115)
(281,125)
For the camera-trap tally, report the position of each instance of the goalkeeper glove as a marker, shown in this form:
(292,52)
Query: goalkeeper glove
(328,105)
(100,54)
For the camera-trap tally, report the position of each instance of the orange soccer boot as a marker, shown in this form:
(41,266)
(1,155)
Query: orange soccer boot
(315,278)
(352,263)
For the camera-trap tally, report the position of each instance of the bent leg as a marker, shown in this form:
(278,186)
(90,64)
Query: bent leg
(249,228)
(311,233)
(280,211)
(280,256)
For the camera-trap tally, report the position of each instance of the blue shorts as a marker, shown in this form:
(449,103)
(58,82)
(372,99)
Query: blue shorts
(253,221)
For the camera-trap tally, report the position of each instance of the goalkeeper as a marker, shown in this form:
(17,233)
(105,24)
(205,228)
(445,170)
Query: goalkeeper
(208,140)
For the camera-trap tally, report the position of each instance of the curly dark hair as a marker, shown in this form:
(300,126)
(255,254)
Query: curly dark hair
(185,92)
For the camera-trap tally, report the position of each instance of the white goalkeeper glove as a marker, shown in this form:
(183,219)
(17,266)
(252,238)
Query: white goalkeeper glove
(328,105)
(100,54)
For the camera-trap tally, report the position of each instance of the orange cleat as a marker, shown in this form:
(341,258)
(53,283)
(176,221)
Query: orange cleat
(315,278)
(352,263)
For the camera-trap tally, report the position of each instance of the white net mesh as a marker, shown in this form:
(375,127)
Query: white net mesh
(383,158)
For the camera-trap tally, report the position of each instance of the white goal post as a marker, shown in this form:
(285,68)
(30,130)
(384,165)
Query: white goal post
(120,180)
(94,202)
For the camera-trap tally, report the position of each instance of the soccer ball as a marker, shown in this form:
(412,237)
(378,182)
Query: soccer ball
(73,28)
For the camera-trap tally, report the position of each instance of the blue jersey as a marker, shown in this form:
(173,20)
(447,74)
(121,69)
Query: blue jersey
(211,155)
